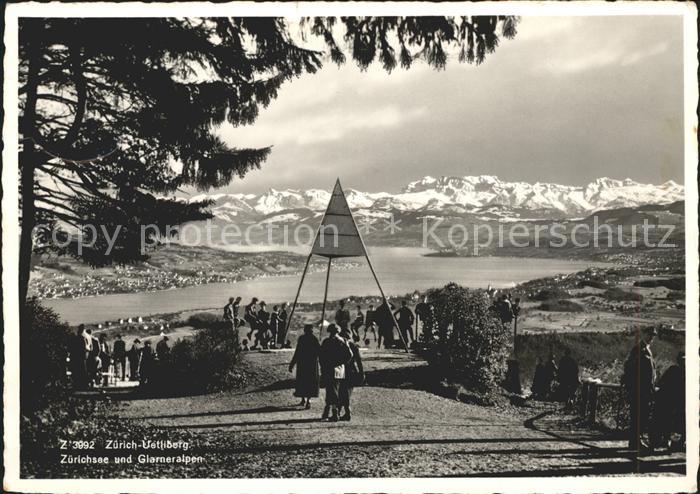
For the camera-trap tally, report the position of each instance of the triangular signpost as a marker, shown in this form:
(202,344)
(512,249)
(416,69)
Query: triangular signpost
(338,236)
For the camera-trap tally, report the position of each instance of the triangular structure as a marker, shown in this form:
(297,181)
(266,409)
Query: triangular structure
(338,236)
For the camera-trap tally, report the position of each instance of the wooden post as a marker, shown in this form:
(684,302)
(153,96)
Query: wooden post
(296,298)
(325,292)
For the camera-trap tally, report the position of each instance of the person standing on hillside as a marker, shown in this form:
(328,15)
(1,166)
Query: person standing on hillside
(357,323)
(422,311)
(669,406)
(76,352)
(228,313)
(638,381)
(93,363)
(251,316)
(305,360)
(405,318)
(134,356)
(105,359)
(504,310)
(369,324)
(162,349)
(274,325)
(335,353)
(385,322)
(342,317)
(549,376)
(263,333)
(148,361)
(282,325)
(119,356)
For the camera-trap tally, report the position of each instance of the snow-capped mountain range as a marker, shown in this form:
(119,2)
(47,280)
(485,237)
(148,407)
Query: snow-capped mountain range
(459,195)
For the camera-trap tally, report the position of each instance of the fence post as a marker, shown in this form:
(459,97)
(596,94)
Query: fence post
(593,403)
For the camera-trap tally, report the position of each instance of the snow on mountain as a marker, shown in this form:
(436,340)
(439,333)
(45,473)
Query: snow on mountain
(461,194)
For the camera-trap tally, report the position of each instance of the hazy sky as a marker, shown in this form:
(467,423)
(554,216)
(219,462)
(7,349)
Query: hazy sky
(567,101)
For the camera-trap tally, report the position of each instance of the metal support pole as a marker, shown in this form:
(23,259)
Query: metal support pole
(294,305)
(325,292)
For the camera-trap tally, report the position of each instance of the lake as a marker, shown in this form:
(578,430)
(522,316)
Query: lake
(400,270)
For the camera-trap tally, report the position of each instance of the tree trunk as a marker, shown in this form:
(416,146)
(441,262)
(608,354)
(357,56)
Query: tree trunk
(27,164)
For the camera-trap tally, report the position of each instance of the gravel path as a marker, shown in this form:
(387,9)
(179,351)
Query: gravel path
(397,430)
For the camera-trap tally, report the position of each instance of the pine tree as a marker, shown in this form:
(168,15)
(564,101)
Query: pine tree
(117,114)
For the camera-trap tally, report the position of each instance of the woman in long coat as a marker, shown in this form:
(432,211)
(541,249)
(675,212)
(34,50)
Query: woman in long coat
(306,361)
(354,376)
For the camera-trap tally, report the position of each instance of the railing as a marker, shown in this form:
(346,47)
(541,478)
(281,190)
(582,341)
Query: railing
(590,403)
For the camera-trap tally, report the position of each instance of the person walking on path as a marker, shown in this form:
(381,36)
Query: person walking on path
(134,360)
(93,360)
(335,353)
(638,381)
(119,356)
(405,318)
(305,359)
(354,376)
(342,317)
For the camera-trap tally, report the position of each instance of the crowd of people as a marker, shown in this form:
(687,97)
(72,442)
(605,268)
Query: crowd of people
(94,362)
(266,329)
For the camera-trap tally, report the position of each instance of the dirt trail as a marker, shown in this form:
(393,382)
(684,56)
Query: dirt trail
(397,430)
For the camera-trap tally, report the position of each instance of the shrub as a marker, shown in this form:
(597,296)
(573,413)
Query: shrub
(206,363)
(208,320)
(675,295)
(551,293)
(470,344)
(44,341)
(561,306)
(619,295)
(593,284)
(670,283)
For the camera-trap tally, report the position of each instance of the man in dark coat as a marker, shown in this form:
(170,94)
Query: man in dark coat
(262,335)
(357,323)
(76,351)
(147,363)
(669,405)
(305,359)
(335,353)
(369,323)
(405,318)
(162,349)
(638,382)
(422,311)
(119,356)
(342,317)
(385,321)
(134,356)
